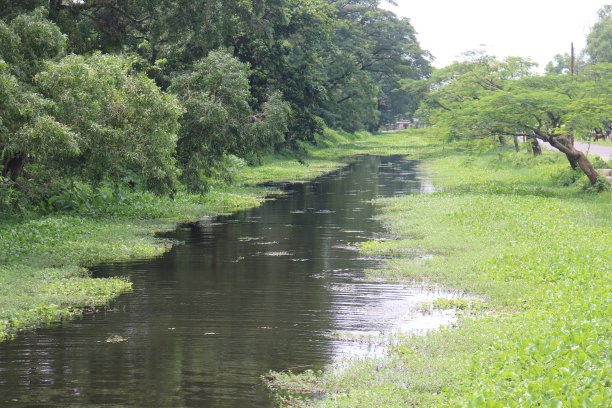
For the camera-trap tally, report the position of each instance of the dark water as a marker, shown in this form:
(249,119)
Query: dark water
(278,287)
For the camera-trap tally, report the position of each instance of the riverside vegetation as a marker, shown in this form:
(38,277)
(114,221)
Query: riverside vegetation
(530,259)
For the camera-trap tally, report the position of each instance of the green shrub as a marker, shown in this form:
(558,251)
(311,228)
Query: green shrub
(567,176)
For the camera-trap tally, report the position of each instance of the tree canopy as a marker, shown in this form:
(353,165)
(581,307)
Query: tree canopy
(152,92)
(599,40)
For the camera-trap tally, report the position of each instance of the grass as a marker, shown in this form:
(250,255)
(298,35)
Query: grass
(43,258)
(524,236)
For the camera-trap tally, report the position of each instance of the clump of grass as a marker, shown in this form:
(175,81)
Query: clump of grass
(30,296)
(293,389)
(461,305)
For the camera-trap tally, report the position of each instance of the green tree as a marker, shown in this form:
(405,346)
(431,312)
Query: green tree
(27,130)
(486,97)
(271,124)
(10,9)
(217,99)
(373,51)
(562,64)
(127,128)
(219,119)
(599,40)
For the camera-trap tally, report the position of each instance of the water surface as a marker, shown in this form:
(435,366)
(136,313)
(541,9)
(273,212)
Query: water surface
(274,288)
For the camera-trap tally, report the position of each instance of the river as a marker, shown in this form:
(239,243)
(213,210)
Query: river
(274,288)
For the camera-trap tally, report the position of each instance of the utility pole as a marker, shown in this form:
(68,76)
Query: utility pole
(573,61)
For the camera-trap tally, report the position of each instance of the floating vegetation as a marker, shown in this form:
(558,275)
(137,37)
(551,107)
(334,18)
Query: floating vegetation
(346,247)
(278,253)
(248,239)
(115,338)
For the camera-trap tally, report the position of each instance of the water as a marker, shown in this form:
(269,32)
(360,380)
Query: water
(275,288)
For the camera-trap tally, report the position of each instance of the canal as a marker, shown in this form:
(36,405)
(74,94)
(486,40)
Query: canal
(275,288)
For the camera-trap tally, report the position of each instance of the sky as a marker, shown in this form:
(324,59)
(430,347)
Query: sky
(538,29)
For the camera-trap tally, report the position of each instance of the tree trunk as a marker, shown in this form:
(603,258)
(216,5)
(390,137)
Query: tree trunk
(535,147)
(585,165)
(573,160)
(502,140)
(54,7)
(517,147)
(576,158)
(13,167)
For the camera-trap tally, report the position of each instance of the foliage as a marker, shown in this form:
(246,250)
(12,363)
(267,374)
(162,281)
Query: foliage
(219,120)
(599,40)
(26,127)
(217,103)
(251,77)
(27,41)
(271,124)
(314,52)
(373,50)
(125,124)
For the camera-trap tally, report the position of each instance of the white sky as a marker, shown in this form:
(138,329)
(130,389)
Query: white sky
(538,29)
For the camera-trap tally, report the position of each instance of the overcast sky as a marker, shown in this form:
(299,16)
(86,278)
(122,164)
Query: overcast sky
(528,28)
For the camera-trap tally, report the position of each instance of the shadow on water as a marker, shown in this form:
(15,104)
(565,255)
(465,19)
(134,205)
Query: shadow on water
(277,287)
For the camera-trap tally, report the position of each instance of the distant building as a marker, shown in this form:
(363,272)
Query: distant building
(403,124)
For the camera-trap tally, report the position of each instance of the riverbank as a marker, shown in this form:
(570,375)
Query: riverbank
(529,251)
(43,258)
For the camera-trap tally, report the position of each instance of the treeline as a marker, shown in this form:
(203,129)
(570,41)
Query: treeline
(160,95)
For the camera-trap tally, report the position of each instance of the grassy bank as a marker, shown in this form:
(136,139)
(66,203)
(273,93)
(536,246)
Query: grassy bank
(43,258)
(530,250)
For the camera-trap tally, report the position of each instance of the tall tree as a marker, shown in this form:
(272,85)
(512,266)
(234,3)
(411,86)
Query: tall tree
(372,45)
(127,128)
(27,130)
(599,40)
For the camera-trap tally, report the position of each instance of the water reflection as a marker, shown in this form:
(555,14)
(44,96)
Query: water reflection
(277,287)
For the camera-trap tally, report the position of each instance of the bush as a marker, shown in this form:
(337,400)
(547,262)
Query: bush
(12,200)
(202,172)
(567,176)
(599,163)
